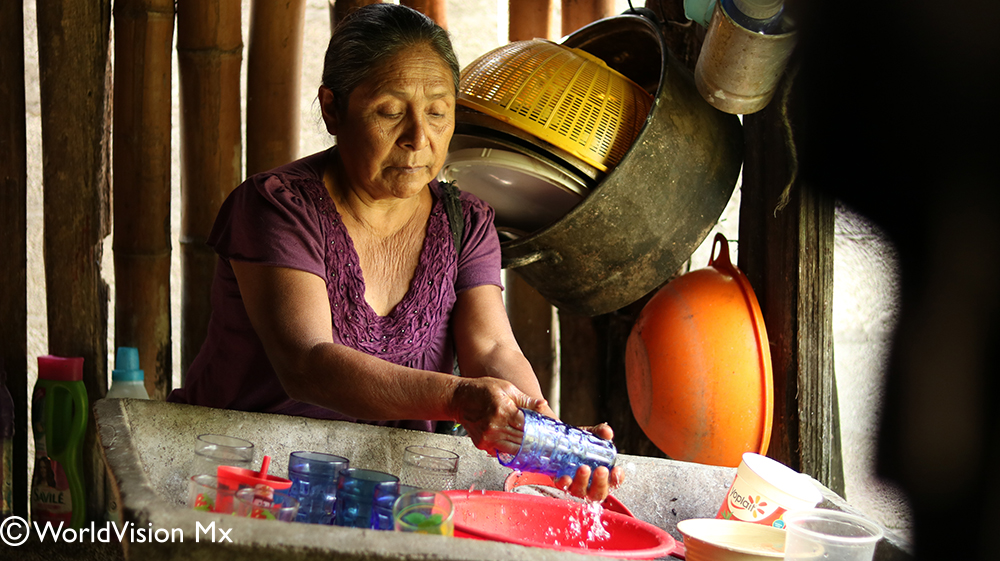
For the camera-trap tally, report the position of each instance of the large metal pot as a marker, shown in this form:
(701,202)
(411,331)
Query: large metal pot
(644,219)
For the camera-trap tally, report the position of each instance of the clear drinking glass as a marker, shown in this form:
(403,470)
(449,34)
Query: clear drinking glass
(205,494)
(214,450)
(430,468)
(424,512)
(266,504)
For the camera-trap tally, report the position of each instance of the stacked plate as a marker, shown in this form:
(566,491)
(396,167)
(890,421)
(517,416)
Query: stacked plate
(530,186)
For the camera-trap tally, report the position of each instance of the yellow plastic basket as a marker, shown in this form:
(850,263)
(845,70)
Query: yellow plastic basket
(562,95)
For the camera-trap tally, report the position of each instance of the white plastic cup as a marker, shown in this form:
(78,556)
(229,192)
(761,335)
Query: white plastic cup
(764,490)
(829,535)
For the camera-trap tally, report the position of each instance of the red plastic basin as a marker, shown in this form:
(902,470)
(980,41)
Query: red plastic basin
(556,524)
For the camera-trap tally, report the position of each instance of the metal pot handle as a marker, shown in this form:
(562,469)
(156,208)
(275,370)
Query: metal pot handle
(529,258)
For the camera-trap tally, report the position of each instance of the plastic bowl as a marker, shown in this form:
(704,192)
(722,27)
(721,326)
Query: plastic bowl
(546,486)
(698,366)
(556,524)
(710,539)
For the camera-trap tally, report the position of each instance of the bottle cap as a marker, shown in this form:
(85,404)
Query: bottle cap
(700,11)
(127,366)
(60,368)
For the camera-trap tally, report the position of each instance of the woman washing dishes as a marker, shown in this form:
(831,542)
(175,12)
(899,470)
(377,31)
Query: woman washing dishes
(358,238)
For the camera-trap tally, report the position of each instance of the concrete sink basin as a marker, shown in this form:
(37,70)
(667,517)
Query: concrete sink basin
(147,447)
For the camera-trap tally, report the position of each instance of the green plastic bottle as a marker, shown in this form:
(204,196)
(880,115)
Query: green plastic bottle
(59,420)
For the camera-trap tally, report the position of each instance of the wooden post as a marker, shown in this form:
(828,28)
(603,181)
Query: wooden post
(578,13)
(787,254)
(13,240)
(210,53)
(581,369)
(529,19)
(531,320)
(144,32)
(437,10)
(74,63)
(274,62)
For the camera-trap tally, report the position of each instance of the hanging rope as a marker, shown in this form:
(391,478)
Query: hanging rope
(786,125)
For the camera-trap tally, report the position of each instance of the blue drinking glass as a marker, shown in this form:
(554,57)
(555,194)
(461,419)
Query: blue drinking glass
(362,496)
(554,448)
(314,484)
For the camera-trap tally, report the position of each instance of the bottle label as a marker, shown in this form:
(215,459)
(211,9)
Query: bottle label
(746,503)
(50,496)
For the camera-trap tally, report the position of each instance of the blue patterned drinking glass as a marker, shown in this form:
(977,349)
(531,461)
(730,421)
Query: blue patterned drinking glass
(314,484)
(363,496)
(554,448)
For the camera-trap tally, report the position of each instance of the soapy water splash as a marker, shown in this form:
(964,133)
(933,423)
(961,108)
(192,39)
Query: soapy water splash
(584,528)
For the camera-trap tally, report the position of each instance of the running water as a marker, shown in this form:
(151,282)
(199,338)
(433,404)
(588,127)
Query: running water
(584,528)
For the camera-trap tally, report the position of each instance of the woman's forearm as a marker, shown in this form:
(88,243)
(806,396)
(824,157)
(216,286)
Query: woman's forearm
(507,362)
(361,386)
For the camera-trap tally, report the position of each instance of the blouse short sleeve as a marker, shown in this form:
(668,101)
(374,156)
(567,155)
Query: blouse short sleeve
(267,220)
(479,261)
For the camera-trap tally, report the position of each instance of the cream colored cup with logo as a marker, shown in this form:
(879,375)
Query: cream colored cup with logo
(764,490)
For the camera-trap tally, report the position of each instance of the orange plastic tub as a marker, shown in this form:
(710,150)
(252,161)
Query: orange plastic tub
(699,368)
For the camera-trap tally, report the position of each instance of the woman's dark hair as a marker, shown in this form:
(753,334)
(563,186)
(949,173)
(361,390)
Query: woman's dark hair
(370,35)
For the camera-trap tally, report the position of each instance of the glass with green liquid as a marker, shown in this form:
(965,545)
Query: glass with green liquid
(424,512)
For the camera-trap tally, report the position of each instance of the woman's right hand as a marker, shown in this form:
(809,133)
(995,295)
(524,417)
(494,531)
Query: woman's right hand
(489,410)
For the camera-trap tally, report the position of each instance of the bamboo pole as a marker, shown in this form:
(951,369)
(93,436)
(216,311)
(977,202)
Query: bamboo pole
(13,241)
(529,19)
(274,62)
(74,58)
(143,47)
(437,10)
(209,53)
(578,13)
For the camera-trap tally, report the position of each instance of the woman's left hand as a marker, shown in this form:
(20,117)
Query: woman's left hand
(604,480)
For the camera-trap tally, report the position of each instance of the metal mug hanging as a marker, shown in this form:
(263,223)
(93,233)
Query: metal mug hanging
(738,69)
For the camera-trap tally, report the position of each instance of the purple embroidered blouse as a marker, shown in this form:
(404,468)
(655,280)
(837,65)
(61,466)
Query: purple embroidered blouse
(285,218)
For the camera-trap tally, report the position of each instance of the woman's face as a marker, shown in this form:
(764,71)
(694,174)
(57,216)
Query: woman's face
(394,137)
